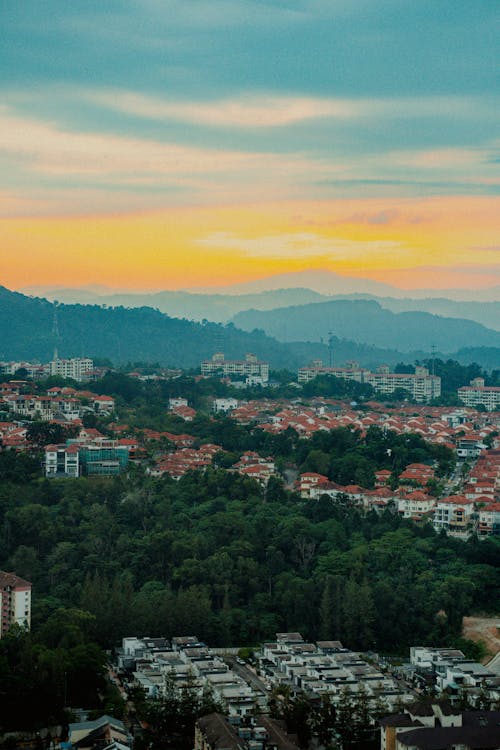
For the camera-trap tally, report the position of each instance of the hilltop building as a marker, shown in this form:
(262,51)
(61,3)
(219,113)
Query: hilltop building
(230,368)
(420,385)
(15,602)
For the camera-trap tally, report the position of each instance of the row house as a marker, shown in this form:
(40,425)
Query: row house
(178,463)
(325,668)
(418,474)
(190,663)
(453,672)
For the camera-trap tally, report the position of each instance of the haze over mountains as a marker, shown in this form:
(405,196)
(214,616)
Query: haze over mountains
(144,334)
(366,320)
(221,304)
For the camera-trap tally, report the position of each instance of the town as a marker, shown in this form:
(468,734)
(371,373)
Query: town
(159,455)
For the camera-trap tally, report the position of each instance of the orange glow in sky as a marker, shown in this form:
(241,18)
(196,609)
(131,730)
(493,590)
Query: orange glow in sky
(388,240)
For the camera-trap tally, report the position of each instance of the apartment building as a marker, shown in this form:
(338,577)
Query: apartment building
(478,394)
(77,368)
(15,602)
(248,367)
(420,385)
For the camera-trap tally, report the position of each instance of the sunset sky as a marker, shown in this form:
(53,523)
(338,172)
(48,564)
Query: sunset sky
(167,144)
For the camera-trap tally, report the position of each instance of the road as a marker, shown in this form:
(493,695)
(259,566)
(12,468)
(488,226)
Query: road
(247,674)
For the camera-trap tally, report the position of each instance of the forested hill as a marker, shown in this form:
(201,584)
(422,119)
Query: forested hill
(365,320)
(144,334)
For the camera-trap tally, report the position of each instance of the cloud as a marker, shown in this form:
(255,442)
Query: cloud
(54,152)
(298,245)
(257,110)
(251,111)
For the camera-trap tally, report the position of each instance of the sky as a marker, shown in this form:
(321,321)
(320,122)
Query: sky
(168,144)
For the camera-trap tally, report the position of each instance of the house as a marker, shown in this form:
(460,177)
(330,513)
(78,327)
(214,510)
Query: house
(454,514)
(103,404)
(439,726)
(489,520)
(215,732)
(105,732)
(224,405)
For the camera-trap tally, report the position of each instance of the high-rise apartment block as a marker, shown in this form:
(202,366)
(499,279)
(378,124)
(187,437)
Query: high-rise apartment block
(15,602)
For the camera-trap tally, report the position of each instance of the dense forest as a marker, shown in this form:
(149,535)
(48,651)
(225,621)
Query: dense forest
(215,555)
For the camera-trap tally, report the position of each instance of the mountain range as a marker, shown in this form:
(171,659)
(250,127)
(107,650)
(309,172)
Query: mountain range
(364,332)
(221,307)
(367,321)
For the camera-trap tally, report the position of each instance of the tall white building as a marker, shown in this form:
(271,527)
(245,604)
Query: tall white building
(15,602)
(477,393)
(230,368)
(77,368)
(420,385)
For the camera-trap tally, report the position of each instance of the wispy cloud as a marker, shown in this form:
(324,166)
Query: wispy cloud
(251,111)
(55,152)
(299,245)
(257,110)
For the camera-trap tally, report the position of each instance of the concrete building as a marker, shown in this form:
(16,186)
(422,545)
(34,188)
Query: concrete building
(15,602)
(250,366)
(420,385)
(478,394)
(454,515)
(73,459)
(77,368)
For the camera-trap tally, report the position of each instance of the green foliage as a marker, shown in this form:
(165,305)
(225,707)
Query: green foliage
(171,718)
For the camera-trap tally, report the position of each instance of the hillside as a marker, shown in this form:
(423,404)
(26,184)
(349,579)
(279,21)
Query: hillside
(147,335)
(143,334)
(366,321)
(218,308)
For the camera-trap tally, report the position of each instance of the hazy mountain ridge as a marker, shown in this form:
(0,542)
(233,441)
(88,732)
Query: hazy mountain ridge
(366,321)
(221,308)
(144,334)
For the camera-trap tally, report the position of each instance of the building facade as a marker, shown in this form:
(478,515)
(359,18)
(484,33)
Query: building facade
(479,394)
(420,385)
(250,366)
(78,368)
(15,602)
